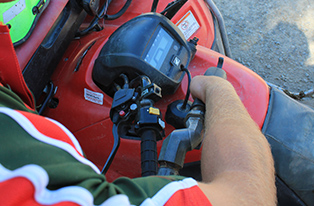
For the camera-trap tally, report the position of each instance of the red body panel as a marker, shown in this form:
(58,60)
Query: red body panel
(90,122)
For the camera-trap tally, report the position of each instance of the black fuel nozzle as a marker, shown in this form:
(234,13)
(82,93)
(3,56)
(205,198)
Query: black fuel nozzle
(177,110)
(175,114)
(180,141)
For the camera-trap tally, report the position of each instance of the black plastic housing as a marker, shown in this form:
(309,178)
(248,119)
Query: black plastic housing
(41,66)
(126,51)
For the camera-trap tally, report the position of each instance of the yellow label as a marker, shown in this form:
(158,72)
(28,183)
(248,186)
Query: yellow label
(154,111)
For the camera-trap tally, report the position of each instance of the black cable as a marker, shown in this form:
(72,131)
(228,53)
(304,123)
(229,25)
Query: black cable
(167,9)
(126,81)
(94,25)
(154,6)
(172,8)
(47,99)
(187,95)
(103,11)
(119,13)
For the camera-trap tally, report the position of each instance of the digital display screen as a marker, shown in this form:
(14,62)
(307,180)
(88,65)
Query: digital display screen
(159,49)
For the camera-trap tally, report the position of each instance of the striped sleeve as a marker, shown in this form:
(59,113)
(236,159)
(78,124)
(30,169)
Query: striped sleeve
(184,192)
(45,162)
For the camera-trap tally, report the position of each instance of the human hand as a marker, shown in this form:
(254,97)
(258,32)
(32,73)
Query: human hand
(203,87)
(236,162)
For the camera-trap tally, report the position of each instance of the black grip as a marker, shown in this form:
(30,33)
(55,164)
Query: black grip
(148,152)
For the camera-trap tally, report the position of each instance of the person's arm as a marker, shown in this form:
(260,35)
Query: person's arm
(237,165)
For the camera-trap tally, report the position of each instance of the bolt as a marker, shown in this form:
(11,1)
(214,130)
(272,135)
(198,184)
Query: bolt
(122,113)
(133,107)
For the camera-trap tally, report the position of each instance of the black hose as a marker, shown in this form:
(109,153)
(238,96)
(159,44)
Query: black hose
(154,6)
(94,25)
(126,81)
(149,153)
(119,13)
(103,10)
(187,95)
(172,8)
(47,99)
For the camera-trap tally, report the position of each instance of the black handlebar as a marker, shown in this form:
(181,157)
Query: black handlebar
(148,152)
(150,127)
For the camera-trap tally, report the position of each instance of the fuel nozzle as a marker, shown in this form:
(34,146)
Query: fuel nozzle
(180,141)
(176,114)
(177,110)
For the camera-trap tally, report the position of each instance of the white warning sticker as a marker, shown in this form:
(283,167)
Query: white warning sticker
(95,97)
(188,25)
(12,12)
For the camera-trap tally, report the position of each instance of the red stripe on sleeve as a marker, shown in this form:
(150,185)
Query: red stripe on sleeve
(20,191)
(49,128)
(190,196)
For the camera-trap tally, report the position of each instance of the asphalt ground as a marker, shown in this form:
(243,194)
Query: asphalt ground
(275,39)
